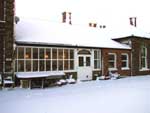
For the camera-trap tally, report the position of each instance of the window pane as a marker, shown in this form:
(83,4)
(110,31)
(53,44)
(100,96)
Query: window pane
(71,64)
(111,57)
(41,65)
(35,53)
(95,64)
(143,63)
(60,65)
(71,54)
(28,65)
(60,54)
(95,55)
(111,65)
(21,65)
(35,65)
(66,65)
(123,57)
(54,65)
(20,53)
(81,62)
(88,61)
(54,53)
(28,53)
(48,65)
(41,53)
(66,54)
(124,64)
(48,54)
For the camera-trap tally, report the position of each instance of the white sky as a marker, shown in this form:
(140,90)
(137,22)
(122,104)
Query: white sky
(108,12)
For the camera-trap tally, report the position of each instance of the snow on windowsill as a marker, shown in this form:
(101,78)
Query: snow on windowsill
(2,21)
(144,69)
(126,68)
(112,69)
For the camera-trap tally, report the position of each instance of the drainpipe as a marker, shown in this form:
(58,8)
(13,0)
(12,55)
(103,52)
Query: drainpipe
(102,63)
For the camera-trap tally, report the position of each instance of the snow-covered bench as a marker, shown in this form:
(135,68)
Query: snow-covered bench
(70,80)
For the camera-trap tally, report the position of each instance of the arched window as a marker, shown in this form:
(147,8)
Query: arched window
(84,52)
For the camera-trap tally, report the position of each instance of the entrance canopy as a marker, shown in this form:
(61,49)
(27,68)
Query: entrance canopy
(28,75)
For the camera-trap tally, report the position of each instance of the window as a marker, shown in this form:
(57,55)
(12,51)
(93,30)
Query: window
(21,53)
(97,59)
(81,61)
(43,59)
(35,53)
(88,61)
(28,53)
(112,61)
(143,57)
(124,61)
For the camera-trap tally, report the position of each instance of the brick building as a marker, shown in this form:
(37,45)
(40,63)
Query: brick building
(45,51)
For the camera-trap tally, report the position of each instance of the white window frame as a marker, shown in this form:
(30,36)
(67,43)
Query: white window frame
(98,59)
(127,61)
(115,61)
(145,57)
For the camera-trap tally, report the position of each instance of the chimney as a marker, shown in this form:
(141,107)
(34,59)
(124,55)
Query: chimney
(66,17)
(92,24)
(133,21)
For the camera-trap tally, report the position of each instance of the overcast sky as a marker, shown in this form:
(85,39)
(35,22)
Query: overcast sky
(108,12)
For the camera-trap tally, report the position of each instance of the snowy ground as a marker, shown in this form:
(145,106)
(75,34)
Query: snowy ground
(127,95)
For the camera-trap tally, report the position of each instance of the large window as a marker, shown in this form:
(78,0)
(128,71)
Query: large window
(143,57)
(124,61)
(97,59)
(44,59)
(112,61)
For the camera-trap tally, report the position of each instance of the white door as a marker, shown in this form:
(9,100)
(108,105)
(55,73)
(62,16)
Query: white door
(84,67)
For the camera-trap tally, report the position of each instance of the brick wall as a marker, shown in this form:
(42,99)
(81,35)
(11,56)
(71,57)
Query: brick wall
(105,53)
(136,43)
(7,37)
(136,47)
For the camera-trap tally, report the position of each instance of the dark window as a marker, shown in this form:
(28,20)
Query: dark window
(20,53)
(88,61)
(41,53)
(35,65)
(35,53)
(81,61)
(54,53)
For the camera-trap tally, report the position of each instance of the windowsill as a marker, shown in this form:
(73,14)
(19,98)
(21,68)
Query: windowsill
(97,69)
(126,68)
(2,21)
(144,69)
(112,69)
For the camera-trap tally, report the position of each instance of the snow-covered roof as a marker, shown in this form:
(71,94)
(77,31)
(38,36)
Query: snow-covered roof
(127,31)
(39,31)
(24,75)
